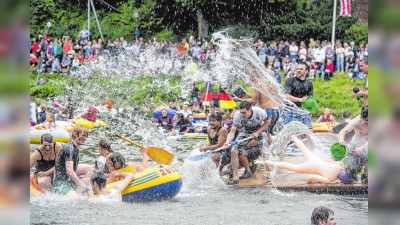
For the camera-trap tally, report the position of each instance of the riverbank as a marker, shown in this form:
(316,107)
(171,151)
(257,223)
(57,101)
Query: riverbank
(147,92)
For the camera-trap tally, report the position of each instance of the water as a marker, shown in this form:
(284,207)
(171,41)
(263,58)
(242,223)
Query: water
(204,198)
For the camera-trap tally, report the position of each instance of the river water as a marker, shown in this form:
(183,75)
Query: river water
(202,200)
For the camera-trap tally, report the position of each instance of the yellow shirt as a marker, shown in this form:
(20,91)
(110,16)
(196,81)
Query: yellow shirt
(128,169)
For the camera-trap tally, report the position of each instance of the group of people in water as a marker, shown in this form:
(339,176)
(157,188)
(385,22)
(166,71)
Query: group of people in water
(58,168)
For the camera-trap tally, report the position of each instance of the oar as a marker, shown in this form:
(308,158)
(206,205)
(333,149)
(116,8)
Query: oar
(207,154)
(159,155)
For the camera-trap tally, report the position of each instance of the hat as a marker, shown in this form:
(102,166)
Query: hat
(186,103)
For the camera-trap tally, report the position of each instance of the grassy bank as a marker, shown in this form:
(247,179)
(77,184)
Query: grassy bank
(336,94)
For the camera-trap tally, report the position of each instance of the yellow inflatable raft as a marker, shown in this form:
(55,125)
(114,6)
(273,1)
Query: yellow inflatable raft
(59,135)
(323,127)
(90,125)
(153,184)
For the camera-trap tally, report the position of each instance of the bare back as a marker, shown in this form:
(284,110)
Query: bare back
(264,101)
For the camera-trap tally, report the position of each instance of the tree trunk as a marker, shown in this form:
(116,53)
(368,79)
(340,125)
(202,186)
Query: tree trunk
(202,24)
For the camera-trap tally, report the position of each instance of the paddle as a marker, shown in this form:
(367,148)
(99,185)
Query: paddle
(159,155)
(207,154)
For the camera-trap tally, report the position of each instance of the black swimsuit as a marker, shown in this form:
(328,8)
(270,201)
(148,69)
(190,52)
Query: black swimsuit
(213,141)
(45,165)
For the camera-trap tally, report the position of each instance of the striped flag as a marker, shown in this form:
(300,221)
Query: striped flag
(345,9)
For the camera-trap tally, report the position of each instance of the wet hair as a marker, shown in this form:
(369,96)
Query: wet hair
(46,137)
(51,116)
(79,130)
(245,105)
(104,143)
(189,115)
(365,61)
(100,179)
(320,213)
(65,111)
(117,157)
(364,112)
(215,116)
(306,65)
(346,114)
(236,108)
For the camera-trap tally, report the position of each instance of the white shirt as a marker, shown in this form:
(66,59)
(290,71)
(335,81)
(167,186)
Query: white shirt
(319,54)
(302,53)
(293,50)
(340,52)
(114,196)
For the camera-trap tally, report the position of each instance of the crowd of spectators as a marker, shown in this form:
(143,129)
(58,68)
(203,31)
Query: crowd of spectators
(323,57)
(53,55)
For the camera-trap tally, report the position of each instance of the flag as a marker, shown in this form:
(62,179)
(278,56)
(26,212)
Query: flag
(345,9)
(209,97)
(225,101)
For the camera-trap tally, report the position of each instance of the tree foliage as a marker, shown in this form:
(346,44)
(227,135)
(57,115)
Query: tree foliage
(271,19)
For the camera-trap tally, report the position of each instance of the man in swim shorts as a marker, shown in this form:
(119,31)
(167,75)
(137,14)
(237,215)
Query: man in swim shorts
(253,121)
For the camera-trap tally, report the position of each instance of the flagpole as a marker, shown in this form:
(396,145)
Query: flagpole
(334,23)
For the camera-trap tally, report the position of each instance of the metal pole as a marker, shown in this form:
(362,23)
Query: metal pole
(97,21)
(88,17)
(333,23)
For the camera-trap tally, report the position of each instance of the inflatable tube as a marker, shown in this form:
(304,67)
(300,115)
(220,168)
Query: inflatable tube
(34,187)
(153,184)
(90,125)
(188,136)
(323,127)
(59,135)
(65,125)
(157,112)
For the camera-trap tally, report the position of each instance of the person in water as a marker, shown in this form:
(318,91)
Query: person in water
(323,171)
(358,147)
(253,123)
(104,150)
(182,125)
(165,121)
(327,117)
(49,119)
(91,114)
(63,116)
(45,159)
(322,216)
(68,168)
(98,182)
(216,137)
(193,127)
(117,165)
(338,128)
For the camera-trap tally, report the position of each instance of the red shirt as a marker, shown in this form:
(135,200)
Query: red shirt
(34,47)
(91,114)
(329,67)
(109,105)
(181,50)
(67,47)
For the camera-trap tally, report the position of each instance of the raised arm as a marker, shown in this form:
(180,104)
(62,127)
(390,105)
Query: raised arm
(128,177)
(347,129)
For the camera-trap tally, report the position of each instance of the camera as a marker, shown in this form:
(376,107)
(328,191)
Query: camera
(356,90)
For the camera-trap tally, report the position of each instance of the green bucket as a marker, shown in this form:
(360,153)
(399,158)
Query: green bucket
(338,151)
(310,104)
